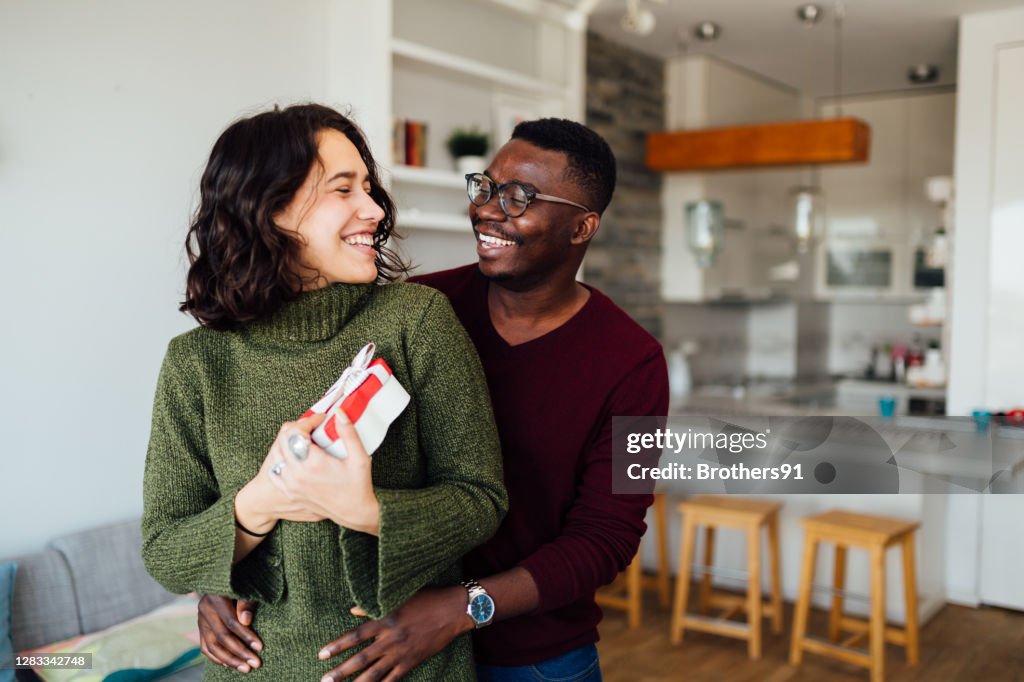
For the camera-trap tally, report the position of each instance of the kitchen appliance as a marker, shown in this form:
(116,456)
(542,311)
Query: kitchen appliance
(859,267)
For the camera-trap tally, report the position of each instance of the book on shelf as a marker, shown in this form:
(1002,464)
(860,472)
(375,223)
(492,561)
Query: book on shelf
(409,142)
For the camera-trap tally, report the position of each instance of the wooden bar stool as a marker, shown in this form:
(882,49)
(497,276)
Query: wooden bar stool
(875,534)
(747,514)
(626,592)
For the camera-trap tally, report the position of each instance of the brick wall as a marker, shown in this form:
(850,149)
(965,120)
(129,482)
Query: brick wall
(625,101)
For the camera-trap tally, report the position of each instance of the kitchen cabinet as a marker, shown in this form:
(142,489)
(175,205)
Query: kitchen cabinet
(747,268)
(861,397)
(877,213)
(702,92)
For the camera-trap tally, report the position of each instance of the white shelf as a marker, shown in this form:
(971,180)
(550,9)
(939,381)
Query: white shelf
(413,218)
(468,67)
(431,177)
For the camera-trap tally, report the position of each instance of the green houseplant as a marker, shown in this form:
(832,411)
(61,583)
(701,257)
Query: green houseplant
(469,148)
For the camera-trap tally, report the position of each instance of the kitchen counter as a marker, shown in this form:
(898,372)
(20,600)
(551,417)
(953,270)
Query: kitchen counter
(780,399)
(847,397)
(933,455)
(710,405)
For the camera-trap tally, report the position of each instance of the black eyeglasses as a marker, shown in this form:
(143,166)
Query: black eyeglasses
(513,197)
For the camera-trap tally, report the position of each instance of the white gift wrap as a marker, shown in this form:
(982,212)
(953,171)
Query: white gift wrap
(369,395)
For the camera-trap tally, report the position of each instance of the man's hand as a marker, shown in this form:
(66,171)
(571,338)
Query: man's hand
(224,634)
(403,639)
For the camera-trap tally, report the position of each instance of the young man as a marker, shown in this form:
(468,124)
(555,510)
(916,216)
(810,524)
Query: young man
(561,360)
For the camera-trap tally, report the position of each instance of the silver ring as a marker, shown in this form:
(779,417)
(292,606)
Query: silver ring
(298,446)
(277,469)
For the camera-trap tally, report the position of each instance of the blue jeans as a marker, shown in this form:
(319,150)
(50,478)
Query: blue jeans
(579,665)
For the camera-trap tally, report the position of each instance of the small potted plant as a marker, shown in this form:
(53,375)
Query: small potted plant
(469,149)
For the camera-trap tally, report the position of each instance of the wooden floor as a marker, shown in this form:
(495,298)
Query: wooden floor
(959,643)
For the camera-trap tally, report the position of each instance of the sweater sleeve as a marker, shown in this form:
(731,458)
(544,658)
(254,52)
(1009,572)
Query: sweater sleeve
(425,531)
(188,523)
(602,530)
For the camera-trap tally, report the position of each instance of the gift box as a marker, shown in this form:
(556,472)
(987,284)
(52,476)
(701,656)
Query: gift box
(370,396)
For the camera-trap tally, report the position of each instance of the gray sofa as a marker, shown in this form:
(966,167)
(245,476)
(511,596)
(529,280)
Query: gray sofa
(82,583)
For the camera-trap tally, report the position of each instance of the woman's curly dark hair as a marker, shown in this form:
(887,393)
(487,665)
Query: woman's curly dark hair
(243,267)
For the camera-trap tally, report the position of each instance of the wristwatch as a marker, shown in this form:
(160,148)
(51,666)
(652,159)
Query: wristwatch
(480,607)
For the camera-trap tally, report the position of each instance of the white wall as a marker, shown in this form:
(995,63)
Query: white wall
(109,111)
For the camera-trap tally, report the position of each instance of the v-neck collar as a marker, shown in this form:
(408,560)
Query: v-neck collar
(505,346)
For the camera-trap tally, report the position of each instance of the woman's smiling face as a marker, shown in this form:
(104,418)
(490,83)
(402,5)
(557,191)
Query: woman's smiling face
(334,216)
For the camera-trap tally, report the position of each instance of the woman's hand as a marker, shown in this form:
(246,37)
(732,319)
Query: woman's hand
(341,489)
(261,504)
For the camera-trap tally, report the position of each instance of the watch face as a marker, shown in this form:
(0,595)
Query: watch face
(481,608)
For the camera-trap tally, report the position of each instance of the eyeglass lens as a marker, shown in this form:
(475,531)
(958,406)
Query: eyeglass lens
(512,198)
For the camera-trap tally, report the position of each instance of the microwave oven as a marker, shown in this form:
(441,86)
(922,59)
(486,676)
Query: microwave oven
(859,268)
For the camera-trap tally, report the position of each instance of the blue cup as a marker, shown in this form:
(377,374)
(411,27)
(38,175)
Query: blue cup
(887,406)
(982,419)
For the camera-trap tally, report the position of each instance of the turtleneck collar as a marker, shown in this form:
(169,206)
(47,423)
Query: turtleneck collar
(313,316)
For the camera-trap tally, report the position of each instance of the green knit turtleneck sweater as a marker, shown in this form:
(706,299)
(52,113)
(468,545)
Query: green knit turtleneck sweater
(220,400)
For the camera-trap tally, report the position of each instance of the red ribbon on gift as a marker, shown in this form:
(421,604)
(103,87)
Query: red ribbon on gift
(355,404)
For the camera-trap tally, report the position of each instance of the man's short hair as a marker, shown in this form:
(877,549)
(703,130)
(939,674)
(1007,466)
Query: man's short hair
(591,161)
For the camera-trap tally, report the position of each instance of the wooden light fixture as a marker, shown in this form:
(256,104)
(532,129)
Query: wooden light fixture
(788,143)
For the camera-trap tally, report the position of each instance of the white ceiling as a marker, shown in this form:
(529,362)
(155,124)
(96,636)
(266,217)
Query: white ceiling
(881,38)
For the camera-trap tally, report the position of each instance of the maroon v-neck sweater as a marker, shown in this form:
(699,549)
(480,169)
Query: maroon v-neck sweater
(554,399)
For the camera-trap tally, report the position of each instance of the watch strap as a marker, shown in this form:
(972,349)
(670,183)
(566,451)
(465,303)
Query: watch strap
(474,589)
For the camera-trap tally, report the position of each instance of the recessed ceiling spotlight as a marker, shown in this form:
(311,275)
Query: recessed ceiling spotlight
(809,13)
(707,31)
(921,74)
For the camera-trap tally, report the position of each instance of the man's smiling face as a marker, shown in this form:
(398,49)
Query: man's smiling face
(525,250)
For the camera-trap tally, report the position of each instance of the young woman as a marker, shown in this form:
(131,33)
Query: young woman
(287,262)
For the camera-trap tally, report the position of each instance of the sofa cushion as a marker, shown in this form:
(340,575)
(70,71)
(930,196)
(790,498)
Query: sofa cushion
(44,608)
(109,578)
(148,647)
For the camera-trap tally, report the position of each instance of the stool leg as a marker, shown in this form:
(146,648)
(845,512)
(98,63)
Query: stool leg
(682,580)
(704,597)
(754,603)
(803,602)
(661,519)
(634,573)
(773,551)
(838,583)
(876,634)
(910,597)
